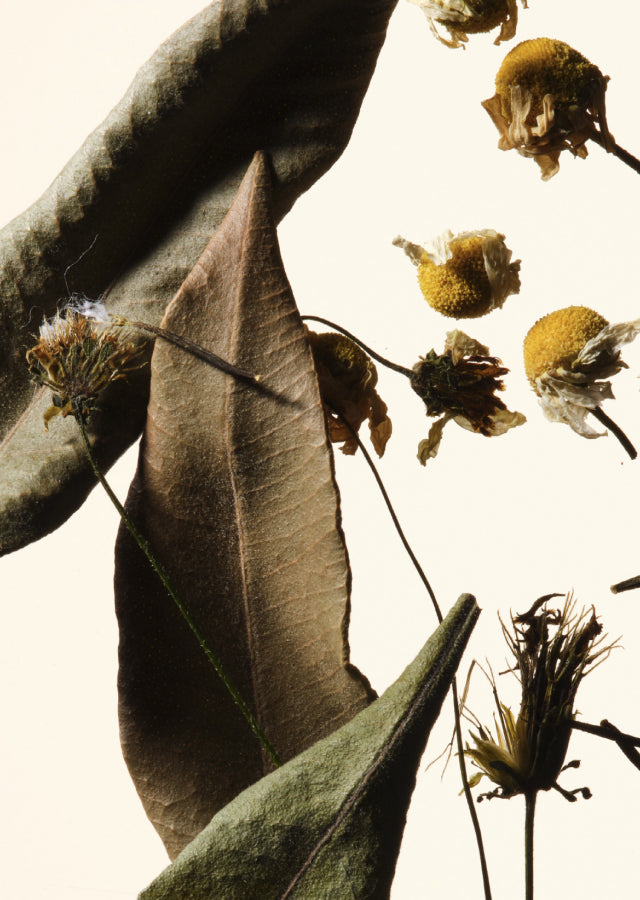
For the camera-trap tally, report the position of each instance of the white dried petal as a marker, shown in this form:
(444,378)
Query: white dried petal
(428,448)
(459,345)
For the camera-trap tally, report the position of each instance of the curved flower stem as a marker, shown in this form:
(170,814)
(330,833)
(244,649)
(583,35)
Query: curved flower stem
(623,155)
(164,578)
(454,689)
(615,430)
(529,815)
(372,353)
(191,347)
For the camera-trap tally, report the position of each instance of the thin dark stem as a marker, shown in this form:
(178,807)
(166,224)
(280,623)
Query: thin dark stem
(615,430)
(454,689)
(164,578)
(626,742)
(193,348)
(629,584)
(372,353)
(623,155)
(529,815)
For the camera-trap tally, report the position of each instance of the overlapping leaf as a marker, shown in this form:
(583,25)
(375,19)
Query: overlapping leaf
(235,492)
(329,823)
(152,183)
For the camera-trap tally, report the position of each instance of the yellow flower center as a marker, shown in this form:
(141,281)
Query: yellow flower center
(544,66)
(556,340)
(459,287)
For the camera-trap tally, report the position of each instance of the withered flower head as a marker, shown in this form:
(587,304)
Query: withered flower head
(460,384)
(464,17)
(348,378)
(553,650)
(568,355)
(467,275)
(548,98)
(77,357)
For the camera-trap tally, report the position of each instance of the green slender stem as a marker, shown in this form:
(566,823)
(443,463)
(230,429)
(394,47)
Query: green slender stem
(164,578)
(529,815)
(615,430)
(454,688)
(372,353)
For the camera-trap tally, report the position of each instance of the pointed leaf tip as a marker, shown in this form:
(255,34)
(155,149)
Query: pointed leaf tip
(329,823)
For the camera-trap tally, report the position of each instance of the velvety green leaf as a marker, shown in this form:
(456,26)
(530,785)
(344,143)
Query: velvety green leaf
(153,183)
(329,823)
(235,492)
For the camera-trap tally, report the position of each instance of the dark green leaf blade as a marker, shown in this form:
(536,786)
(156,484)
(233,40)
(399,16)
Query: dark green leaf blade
(329,823)
(153,182)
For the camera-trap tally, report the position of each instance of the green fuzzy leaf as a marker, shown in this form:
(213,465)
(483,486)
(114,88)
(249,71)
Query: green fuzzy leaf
(152,184)
(329,823)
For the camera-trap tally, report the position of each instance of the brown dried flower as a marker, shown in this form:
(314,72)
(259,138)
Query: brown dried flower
(348,379)
(464,17)
(460,384)
(549,98)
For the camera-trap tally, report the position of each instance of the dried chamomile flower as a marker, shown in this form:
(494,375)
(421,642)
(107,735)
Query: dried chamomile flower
(460,385)
(568,355)
(464,17)
(467,275)
(549,98)
(348,379)
(553,651)
(77,357)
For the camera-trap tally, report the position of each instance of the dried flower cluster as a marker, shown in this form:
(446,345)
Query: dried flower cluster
(348,380)
(548,98)
(77,357)
(553,651)
(464,17)
(460,385)
(464,276)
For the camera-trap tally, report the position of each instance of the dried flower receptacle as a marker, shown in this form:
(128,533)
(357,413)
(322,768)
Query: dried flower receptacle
(78,357)
(553,651)
(348,379)
(464,17)
(569,355)
(460,385)
(467,275)
(549,98)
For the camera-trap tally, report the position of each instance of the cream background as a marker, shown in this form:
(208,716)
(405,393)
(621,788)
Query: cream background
(508,519)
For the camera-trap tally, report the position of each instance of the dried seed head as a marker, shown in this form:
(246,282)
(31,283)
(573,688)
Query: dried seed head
(77,358)
(348,379)
(548,98)
(553,651)
(467,275)
(568,356)
(464,17)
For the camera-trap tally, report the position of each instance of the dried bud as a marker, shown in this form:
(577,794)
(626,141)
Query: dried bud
(549,98)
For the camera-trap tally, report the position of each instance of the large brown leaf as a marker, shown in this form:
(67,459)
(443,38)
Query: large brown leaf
(153,182)
(235,492)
